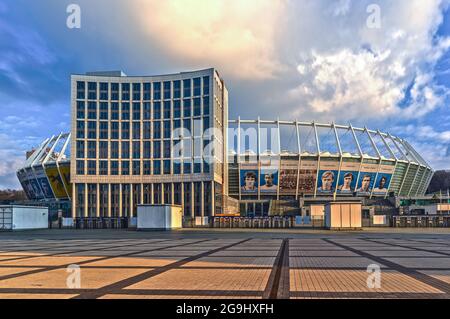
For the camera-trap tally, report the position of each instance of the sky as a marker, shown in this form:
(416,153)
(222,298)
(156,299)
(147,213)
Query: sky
(380,64)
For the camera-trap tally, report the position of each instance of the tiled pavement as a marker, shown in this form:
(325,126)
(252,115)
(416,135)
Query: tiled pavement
(218,266)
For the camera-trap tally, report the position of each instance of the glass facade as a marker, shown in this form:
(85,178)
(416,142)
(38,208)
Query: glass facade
(124,134)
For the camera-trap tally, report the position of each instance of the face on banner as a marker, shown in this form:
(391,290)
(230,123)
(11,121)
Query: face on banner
(327,182)
(347,182)
(249,181)
(366,182)
(269,181)
(382,184)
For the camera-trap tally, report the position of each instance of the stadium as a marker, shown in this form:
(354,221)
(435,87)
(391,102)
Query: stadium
(125,148)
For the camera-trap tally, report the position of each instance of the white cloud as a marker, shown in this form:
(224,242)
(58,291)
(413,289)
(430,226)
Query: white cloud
(236,36)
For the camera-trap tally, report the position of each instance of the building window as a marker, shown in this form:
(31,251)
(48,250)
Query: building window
(176,89)
(103,150)
(126,91)
(114,111)
(115,150)
(176,168)
(136,111)
(114,168)
(103,127)
(125,149)
(156,129)
(104,91)
(147,111)
(166,167)
(136,130)
(125,111)
(92,90)
(147,91)
(177,109)
(147,168)
(147,130)
(187,126)
(80,129)
(167,193)
(136,168)
(103,167)
(206,123)
(125,168)
(187,108)
(156,167)
(92,149)
(187,88)
(114,91)
(167,110)
(157,149)
(157,91)
(197,107)
(167,131)
(136,150)
(206,85)
(114,130)
(206,106)
(167,149)
(80,167)
(92,167)
(80,149)
(81,90)
(136,91)
(197,86)
(147,149)
(103,110)
(92,110)
(157,110)
(167,90)
(187,167)
(125,130)
(81,112)
(157,193)
(197,168)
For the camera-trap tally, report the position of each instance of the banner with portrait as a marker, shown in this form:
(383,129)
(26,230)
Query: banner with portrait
(249,178)
(366,179)
(328,174)
(307,177)
(383,180)
(288,177)
(347,178)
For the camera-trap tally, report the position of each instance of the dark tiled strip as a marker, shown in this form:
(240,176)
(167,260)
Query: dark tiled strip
(279,277)
(407,247)
(426,279)
(369,295)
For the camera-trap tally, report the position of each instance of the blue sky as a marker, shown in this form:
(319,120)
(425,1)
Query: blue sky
(310,60)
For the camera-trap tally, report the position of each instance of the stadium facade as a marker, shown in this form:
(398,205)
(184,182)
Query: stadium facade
(167,140)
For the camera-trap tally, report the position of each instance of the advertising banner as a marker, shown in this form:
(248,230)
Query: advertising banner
(268,180)
(383,180)
(328,174)
(249,178)
(22,176)
(347,178)
(366,179)
(307,177)
(56,182)
(288,177)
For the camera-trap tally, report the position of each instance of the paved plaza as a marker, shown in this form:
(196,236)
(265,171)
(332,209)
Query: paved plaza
(293,264)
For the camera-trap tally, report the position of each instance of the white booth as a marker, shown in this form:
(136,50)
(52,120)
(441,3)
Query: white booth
(14,217)
(159,217)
